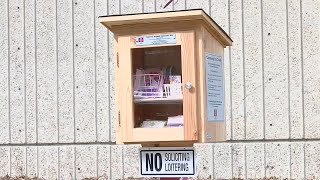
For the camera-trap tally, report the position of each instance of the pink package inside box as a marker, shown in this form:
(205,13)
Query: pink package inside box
(148,83)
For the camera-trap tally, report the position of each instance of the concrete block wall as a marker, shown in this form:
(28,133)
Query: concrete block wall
(57,117)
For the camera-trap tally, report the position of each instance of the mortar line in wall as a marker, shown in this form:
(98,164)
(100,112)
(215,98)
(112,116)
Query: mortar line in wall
(73,78)
(155,6)
(230,75)
(122,154)
(36,71)
(263,86)
(95,70)
(244,75)
(185,4)
(302,69)
(57,59)
(9,102)
(24,73)
(288,70)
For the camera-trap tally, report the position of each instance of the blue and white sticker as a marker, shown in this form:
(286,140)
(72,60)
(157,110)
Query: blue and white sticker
(156,39)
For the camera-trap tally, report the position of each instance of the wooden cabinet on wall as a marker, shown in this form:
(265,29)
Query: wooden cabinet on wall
(169,77)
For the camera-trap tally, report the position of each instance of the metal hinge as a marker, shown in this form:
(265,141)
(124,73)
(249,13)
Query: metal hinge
(119,120)
(117,59)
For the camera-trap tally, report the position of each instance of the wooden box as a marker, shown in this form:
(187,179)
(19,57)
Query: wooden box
(169,77)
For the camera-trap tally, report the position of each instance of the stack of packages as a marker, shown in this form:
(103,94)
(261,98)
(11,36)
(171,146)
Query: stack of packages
(175,121)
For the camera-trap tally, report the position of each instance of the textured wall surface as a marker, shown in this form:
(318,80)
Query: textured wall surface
(57,116)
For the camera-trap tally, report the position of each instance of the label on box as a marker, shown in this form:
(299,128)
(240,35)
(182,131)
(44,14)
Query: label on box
(156,39)
(215,89)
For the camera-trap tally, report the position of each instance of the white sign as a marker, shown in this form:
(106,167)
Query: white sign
(215,89)
(167,162)
(156,39)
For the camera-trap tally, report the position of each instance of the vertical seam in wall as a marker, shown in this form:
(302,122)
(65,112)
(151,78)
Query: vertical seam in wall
(35,69)
(155,6)
(95,70)
(263,85)
(230,75)
(24,72)
(73,76)
(58,173)
(185,4)
(120,6)
(288,69)
(244,75)
(213,162)
(302,68)
(57,59)
(9,109)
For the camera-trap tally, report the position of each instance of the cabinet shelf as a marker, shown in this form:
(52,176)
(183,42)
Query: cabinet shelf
(158,100)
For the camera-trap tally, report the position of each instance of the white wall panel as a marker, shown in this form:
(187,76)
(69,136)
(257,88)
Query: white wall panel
(114,8)
(199,4)
(48,162)
(4,161)
(17,71)
(67,162)
(104,162)
(295,71)
(237,71)
(86,162)
(277,160)
(297,160)
(312,160)
(149,6)
(311,66)
(30,71)
(18,161)
(220,14)
(4,75)
(252,33)
(131,6)
(117,163)
(102,73)
(275,69)
(179,5)
(32,161)
(46,71)
(238,161)
(255,160)
(84,59)
(222,167)
(65,71)
(204,158)
(130,163)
